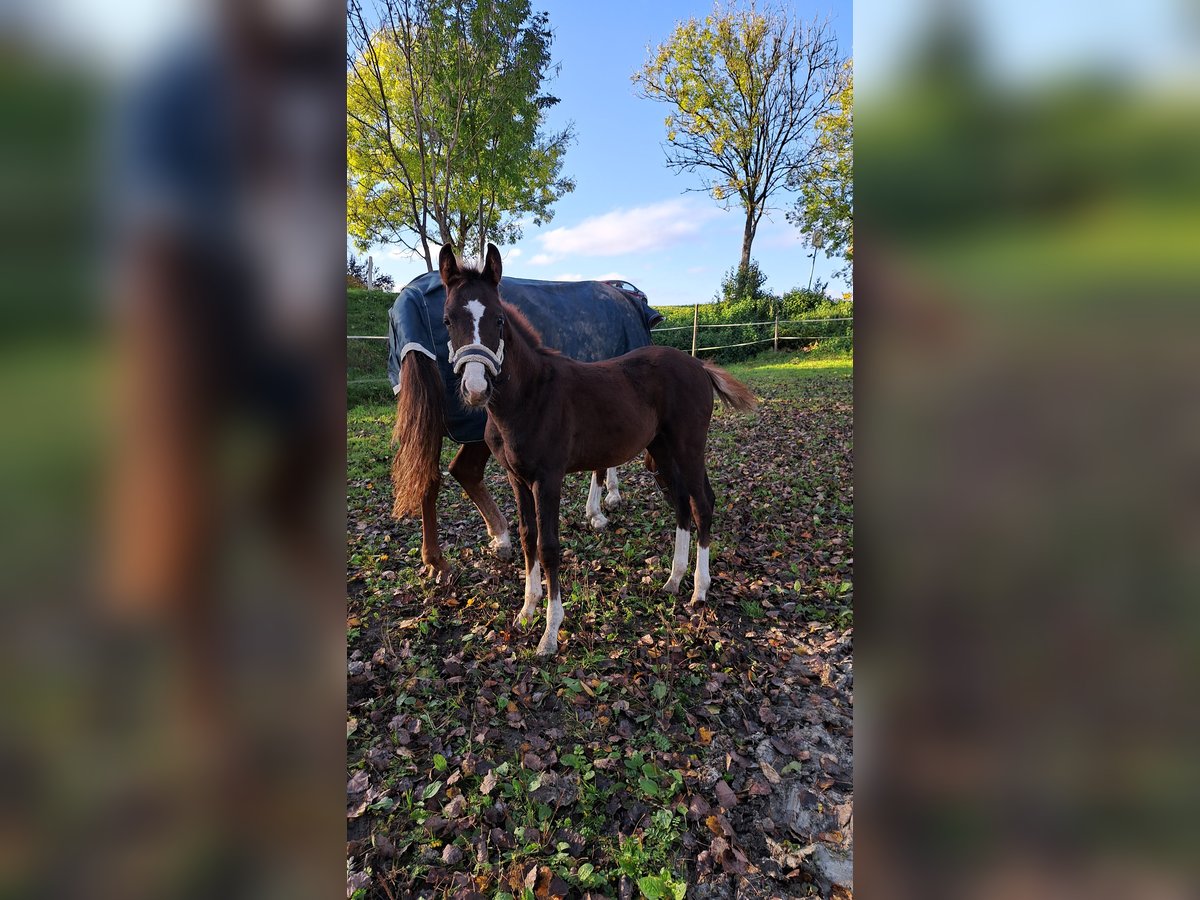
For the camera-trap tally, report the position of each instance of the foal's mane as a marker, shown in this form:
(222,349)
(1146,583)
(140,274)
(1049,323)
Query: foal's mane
(522,326)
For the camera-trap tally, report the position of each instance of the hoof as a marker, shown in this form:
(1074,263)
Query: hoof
(699,596)
(526,617)
(438,570)
(599,522)
(672,586)
(502,549)
(612,501)
(548,646)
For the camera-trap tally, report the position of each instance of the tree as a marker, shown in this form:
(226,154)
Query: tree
(745,88)
(824,211)
(356,275)
(444,124)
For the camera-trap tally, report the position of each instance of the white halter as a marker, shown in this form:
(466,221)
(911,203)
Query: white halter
(476,353)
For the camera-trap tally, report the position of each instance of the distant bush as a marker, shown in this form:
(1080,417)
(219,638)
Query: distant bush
(796,304)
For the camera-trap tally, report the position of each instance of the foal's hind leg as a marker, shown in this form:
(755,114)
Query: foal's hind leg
(701,501)
(467,468)
(547,494)
(613,499)
(528,529)
(595,517)
(661,462)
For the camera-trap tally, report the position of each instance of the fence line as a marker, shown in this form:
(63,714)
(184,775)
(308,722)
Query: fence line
(748,324)
(374,337)
(694,327)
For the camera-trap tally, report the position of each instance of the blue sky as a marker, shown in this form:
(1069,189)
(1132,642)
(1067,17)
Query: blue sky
(629,216)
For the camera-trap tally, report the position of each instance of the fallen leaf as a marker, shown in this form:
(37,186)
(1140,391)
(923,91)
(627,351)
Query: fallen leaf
(533,762)
(725,795)
(489,783)
(769,771)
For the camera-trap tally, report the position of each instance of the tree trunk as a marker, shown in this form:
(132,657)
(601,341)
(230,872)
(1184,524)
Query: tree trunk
(748,237)
(482,235)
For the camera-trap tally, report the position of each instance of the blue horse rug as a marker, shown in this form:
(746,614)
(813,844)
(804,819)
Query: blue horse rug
(585,320)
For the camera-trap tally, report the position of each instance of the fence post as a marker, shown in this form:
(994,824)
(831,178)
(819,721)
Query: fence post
(777,332)
(695,326)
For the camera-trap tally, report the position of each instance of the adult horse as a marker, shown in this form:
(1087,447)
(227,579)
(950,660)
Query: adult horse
(586,320)
(549,415)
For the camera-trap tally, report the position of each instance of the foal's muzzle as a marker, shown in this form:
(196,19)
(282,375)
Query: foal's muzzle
(476,380)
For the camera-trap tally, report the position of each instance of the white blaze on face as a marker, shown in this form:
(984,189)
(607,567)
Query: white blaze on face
(475,308)
(474,378)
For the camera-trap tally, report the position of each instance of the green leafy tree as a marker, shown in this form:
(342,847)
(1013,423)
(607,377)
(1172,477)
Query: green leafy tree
(824,210)
(746,88)
(445,114)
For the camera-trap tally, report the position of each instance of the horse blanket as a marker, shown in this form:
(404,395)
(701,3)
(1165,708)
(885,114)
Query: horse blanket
(585,320)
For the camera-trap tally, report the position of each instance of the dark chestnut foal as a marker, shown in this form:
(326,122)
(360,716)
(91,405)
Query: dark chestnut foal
(549,415)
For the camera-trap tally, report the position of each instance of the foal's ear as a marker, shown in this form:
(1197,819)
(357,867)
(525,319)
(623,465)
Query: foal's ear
(448,265)
(492,267)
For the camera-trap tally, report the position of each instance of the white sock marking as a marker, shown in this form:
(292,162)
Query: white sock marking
(502,545)
(533,594)
(683,539)
(614,489)
(554,616)
(703,580)
(594,515)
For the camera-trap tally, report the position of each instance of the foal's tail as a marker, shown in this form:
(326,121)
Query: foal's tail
(729,389)
(417,435)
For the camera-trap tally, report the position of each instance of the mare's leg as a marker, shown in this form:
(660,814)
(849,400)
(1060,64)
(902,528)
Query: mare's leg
(431,549)
(528,529)
(613,499)
(547,495)
(661,462)
(595,517)
(467,468)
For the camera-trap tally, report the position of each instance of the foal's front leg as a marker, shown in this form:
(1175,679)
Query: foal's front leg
(528,530)
(547,495)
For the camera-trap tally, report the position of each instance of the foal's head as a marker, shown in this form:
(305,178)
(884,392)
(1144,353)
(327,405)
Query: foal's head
(475,321)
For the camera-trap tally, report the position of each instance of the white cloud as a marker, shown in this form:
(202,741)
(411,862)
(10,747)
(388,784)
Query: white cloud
(637,230)
(513,253)
(569,276)
(611,276)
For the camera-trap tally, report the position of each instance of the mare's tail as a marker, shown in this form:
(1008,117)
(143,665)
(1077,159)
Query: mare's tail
(734,394)
(417,436)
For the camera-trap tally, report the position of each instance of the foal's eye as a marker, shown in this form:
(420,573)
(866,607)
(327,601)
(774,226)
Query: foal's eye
(501,319)
(446,321)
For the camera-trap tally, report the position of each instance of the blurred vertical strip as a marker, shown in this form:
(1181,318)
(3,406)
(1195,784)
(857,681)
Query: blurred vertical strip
(1027,282)
(172,234)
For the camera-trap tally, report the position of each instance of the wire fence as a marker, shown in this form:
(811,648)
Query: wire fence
(366,354)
